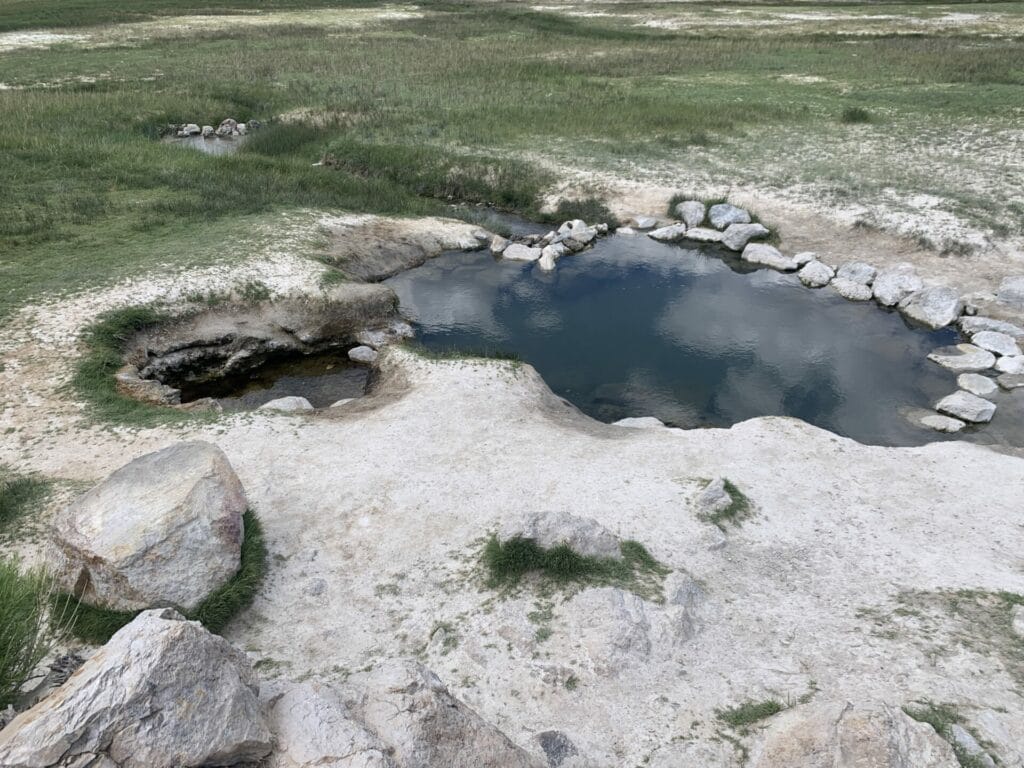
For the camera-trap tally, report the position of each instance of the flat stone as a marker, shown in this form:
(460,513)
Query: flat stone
(976,384)
(856,272)
(963,358)
(724,214)
(934,307)
(994,341)
(703,235)
(893,285)
(670,234)
(362,354)
(975,324)
(1011,381)
(851,289)
(165,529)
(291,404)
(645,222)
(736,236)
(967,407)
(816,274)
(1010,364)
(639,422)
(692,212)
(162,693)
(768,255)
(941,423)
(520,252)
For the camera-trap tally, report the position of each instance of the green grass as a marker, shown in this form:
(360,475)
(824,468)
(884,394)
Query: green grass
(508,562)
(19,494)
(23,640)
(96,625)
(93,379)
(747,714)
(856,115)
(739,509)
(941,717)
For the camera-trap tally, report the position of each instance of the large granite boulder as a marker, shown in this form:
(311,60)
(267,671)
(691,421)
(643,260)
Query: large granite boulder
(163,530)
(163,693)
(934,307)
(408,708)
(841,735)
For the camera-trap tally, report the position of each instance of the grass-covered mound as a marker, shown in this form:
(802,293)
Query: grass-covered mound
(96,625)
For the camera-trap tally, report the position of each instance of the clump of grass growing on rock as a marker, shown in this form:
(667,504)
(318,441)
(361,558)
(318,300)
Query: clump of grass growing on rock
(17,494)
(739,509)
(22,627)
(96,625)
(507,562)
(942,717)
(746,714)
(94,381)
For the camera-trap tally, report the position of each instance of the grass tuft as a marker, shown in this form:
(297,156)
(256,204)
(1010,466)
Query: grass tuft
(96,625)
(509,561)
(22,627)
(942,717)
(589,209)
(856,116)
(743,716)
(738,510)
(18,493)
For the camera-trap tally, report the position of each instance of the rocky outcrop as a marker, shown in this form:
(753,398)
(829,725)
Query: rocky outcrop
(408,708)
(163,693)
(841,735)
(934,307)
(164,530)
(703,235)
(966,407)
(714,498)
(551,529)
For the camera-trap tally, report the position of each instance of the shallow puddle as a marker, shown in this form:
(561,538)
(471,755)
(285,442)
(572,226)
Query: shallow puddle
(693,337)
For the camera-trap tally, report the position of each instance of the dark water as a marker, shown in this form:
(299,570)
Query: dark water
(321,379)
(695,338)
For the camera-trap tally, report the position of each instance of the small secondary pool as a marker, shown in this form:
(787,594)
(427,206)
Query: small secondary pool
(692,336)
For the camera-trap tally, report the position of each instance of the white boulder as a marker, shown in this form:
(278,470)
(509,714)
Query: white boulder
(1011,291)
(1011,381)
(498,245)
(163,693)
(1014,364)
(673,233)
(893,285)
(851,289)
(966,407)
(583,535)
(362,354)
(856,272)
(724,214)
(963,358)
(974,324)
(816,274)
(736,236)
(841,735)
(994,341)
(934,307)
(941,423)
(976,384)
(692,212)
(290,404)
(768,255)
(639,422)
(703,235)
(520,252)
(645,222)
(163,530)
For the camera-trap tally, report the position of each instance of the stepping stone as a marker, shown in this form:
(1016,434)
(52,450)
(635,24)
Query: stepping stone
(1000,343)
(851,289)
(1010,364)
(963,358)
(670,234)
(1011,381)
(967,407)
(976,384)
(703,235)
(941,423)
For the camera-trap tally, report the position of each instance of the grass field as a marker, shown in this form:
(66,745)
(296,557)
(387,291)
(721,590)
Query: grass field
(87,193)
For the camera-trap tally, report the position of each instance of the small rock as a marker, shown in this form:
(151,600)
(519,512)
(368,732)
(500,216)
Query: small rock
(703,235)
(941,423)
(975,324)
(816,274)
(191,129)
(1017,620)
(714,498)
(893,285)
(994,341)
(498,245)
(724,214)
(976,384)
(520,252)
(639,422)
(287,404)
(851,289)
(546,262)
(362,354)
(583,535)
(208,131)
(1013,364)
(1011,381)
(242,129)
(1011,291)
(769,255)
(227,127)
(645,222)
(856,272)
(805,257)
(967,407)
(692,212)
(670,234)
(557,747)
(934,307)
(963,358)
(736,236)
(602,229)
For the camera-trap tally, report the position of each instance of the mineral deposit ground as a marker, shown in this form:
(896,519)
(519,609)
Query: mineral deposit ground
(261,504)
